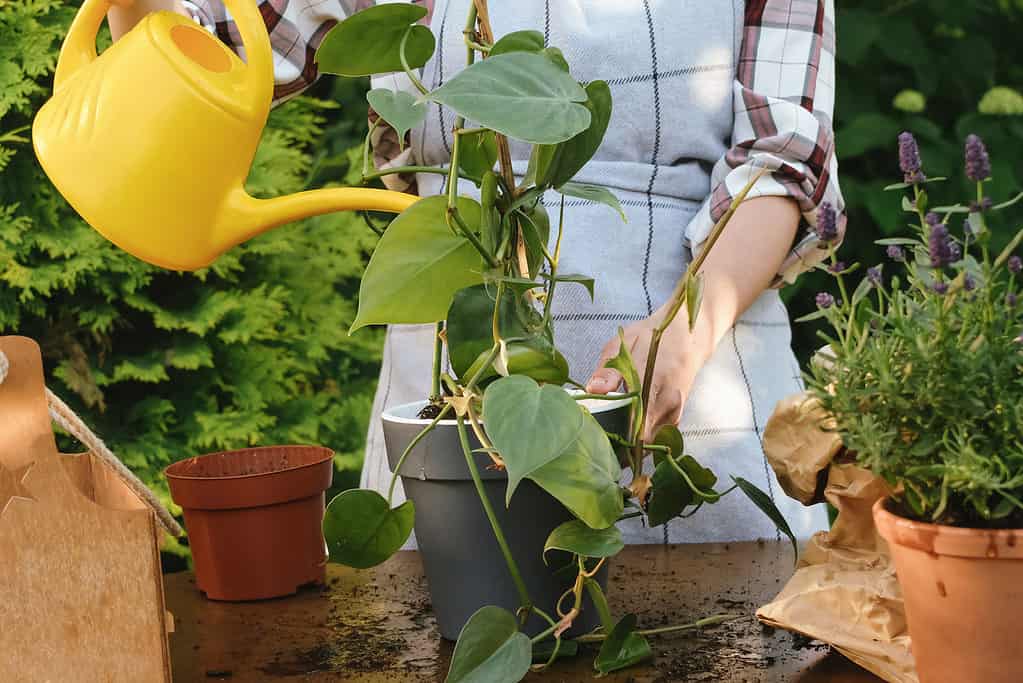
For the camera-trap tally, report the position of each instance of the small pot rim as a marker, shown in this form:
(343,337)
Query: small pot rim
(396,414)
(943,539)
(326,452)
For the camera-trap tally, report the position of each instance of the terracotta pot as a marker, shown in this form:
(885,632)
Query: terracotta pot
(963,590)
(255,519)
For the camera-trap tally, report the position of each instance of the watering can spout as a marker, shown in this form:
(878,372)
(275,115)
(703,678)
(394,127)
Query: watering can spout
(244,216)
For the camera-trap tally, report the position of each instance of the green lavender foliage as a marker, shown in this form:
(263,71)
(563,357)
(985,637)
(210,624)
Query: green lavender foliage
(961,58)
(924,375)
(164,365)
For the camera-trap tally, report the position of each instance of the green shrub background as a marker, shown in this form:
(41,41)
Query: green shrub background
(254,349)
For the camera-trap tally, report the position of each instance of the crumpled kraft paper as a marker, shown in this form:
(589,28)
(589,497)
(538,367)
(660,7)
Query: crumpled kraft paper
(844,591)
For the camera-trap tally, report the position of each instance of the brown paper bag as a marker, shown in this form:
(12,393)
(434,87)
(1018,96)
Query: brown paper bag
(81,593)
(844,591)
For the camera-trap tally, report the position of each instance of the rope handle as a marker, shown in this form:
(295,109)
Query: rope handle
(69,421)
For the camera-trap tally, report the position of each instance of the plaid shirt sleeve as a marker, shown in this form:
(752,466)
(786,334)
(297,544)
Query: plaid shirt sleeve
(784,95)
(296,28)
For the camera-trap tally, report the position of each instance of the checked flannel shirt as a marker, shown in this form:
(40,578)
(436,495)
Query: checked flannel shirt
(783,94)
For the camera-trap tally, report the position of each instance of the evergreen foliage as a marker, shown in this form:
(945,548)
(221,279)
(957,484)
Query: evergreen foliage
(164,365)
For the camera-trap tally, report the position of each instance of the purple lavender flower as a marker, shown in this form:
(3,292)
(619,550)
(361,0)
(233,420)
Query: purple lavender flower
(932,219)
(836,267)
(909,159)
(978,165)
(827,224)
(969,284)
(940,287)
(825,300)
(874,275)
(940,246)
(896,253)
(956,251)
(1015,264)
(1010,300)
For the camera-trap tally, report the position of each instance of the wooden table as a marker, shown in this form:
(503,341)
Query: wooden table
(376,625)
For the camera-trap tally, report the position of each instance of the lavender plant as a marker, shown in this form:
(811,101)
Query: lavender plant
(923,372)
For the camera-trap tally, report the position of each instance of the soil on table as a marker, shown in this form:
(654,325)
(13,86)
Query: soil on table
(378,625)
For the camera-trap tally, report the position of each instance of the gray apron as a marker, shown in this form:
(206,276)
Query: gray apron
(670,66)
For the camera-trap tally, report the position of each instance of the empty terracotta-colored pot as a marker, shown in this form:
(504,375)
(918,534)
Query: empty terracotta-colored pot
(255,519)
(963,590)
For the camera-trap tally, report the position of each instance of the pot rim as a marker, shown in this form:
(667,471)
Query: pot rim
(327,454)
(398,414)
(943,539)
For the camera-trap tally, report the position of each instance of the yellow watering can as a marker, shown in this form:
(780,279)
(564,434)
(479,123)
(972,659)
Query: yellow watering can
(152,141)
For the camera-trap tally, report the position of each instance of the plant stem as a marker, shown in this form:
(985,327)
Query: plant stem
(438,349)
(509,559)
(412,169)
(467,232)
(404,64)
(549,300)
(678,297)
(701,623)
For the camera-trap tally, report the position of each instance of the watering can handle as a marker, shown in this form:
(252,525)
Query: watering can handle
(79,48)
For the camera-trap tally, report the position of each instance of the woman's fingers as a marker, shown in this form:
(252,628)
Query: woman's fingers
(605,380)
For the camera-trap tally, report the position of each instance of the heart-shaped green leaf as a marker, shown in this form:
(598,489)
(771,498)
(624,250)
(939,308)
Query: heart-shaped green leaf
(575,537)
(520,94)
(670,493)
(556,57)
(518,41)
(593,193)
(623,647)
(369,42)
(490,649)
(573,154)
(530,425)
(418,265)
(470,328)
(670,436)
(477,152)
(767,506)
(398,108)
(362,530)
(585,477)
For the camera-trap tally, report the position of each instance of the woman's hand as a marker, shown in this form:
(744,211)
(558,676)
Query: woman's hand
(682,353)
(734,275)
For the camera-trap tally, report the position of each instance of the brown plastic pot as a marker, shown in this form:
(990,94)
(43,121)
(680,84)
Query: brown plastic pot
(963,590)
(255,519)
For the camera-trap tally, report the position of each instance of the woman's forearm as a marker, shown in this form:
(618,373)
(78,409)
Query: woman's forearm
(742,264)
(123,17)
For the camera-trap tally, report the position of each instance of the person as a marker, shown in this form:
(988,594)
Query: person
(704,94)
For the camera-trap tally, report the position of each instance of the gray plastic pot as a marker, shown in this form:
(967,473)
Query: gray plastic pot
(463,562)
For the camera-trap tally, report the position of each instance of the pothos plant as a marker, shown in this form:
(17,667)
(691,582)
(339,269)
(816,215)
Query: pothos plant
(923,374)
(487,273)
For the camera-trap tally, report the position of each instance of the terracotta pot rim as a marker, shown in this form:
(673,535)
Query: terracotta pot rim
(327,454)
(943,539)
